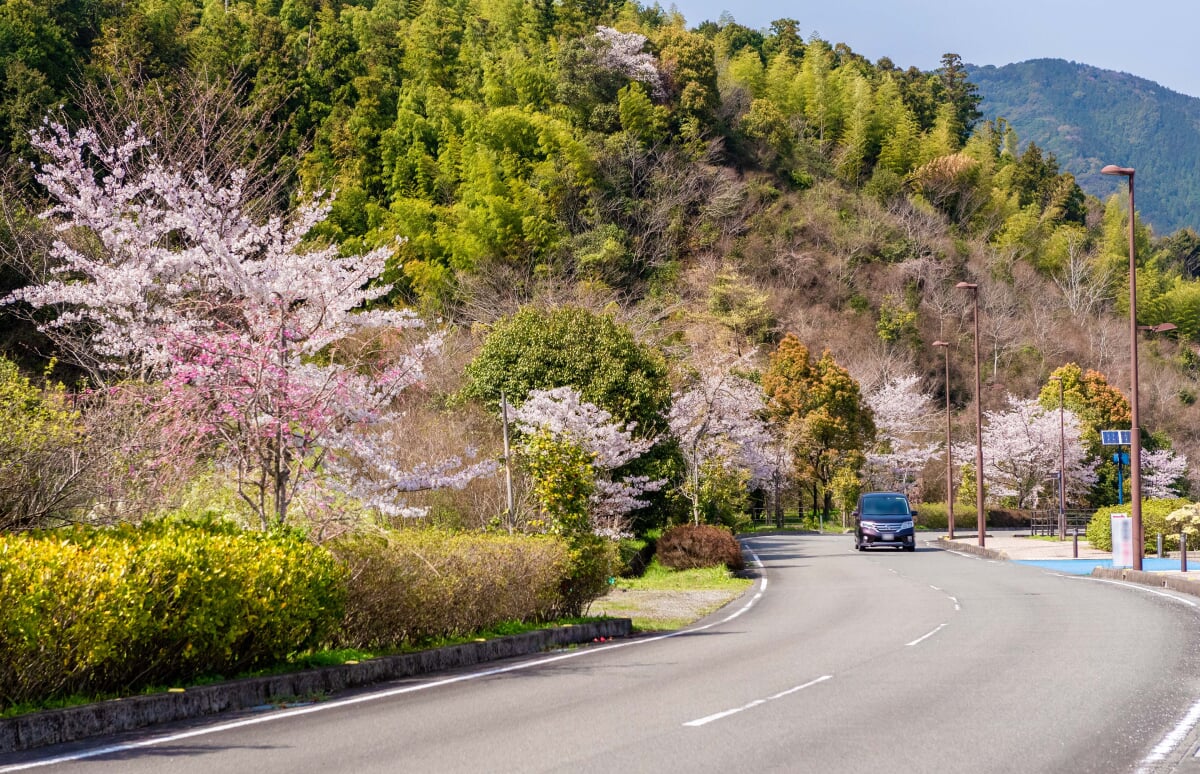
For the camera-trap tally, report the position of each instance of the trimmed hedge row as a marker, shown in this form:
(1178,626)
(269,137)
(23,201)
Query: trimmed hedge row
(90,610)
(413,585)
(1154,523)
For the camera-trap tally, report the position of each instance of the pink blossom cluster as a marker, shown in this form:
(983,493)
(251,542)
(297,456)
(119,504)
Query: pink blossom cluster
(1162,470)
(245,322)
(624,53)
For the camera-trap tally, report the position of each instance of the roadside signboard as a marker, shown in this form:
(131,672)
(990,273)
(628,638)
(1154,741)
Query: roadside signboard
(1114,437)
(1122,540)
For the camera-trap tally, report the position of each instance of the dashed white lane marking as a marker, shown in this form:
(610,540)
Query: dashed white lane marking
(924,637)
(935,588)
(955,601)
(221,727)
(1172,739)
(726,713)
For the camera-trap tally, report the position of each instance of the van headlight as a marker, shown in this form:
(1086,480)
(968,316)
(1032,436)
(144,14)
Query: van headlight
(906,525)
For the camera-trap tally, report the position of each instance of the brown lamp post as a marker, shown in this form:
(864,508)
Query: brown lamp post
(945,346)
(980,514)
(1062,463)
(1135,439)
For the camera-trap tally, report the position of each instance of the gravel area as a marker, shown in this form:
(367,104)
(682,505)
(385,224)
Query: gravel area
(662,609)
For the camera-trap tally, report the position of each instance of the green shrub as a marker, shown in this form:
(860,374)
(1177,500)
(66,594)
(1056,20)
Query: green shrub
(1154,522)
(593,561)
(934,516)
(689,546)
(634,556)
(408,586)
(89,610)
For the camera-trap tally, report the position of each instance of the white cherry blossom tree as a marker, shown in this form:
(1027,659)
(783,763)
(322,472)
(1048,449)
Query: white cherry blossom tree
(903,425)
(566,417)
(717,421)
(1162,470)
(1021,453)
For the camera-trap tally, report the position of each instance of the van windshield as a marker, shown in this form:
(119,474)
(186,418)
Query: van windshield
(894,505)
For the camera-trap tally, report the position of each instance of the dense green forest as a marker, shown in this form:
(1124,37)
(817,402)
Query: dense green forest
(1088,117)
(709,186)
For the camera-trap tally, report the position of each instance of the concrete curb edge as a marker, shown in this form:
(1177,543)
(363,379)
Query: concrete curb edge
(946,544)
(1157,580)
(48,727)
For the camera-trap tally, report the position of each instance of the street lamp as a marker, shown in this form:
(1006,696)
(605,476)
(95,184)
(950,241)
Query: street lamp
(1135,439)
(1062,464)
(945,346)
(980,516)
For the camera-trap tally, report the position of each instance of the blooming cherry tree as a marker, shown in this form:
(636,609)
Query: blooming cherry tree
(160,274)
(1021,452)
(903,415)
(1162,469)
(562,415)
(717,421)
(624,53)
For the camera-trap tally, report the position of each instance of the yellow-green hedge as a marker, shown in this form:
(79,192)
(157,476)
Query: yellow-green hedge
(412,585)
(96,610)
(1154,522)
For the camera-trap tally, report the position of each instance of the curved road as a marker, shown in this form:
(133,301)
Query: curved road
(845,662)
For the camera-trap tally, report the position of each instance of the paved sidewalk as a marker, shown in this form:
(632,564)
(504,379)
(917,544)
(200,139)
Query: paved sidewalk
(1018,546)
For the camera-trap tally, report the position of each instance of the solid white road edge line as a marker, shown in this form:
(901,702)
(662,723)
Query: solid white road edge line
(924,637)
(718,715)
(1172,740)
(1135,586)
(216,729)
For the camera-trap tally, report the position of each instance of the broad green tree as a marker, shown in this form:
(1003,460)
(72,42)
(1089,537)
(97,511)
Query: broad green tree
(823,412)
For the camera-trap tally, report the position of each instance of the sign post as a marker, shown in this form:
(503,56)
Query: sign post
(1122,540)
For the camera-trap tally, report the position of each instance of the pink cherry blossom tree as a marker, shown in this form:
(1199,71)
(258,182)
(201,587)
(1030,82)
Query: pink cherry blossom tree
(562,415)
(624,53)
(160,274)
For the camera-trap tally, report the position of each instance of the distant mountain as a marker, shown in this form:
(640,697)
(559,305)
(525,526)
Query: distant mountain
(1088,117)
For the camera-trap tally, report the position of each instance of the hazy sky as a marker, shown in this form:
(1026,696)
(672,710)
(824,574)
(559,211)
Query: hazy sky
(1162,37)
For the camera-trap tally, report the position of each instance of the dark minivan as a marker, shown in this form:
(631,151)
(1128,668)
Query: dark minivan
(884,519)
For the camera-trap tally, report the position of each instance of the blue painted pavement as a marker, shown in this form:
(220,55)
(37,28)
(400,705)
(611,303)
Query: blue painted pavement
(1085,566)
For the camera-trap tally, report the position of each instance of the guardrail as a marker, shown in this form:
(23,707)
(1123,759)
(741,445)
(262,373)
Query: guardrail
(1046,522)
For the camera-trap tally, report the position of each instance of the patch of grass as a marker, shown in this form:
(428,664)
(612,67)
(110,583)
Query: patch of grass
(659,578)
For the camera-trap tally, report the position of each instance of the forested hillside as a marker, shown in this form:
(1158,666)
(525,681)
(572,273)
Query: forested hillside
(1088,117)
(708,188)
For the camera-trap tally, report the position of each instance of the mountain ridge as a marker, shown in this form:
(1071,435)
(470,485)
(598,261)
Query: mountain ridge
(1088,117)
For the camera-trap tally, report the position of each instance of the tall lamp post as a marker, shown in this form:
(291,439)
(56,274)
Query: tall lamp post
(1062,463)
(980,514)
(945,346)
(1135,439)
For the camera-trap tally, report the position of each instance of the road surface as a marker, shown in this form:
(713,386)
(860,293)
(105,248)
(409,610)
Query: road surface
(837,661)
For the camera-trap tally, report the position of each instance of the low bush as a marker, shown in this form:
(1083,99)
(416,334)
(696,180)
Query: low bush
(1154,522)
(409,586)
(635,556)
(88,610)
(689,546)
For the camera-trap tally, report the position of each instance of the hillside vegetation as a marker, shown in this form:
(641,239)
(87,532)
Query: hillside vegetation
(1088,117)
(688,195)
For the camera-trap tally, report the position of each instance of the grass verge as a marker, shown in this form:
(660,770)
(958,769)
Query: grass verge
(664,599)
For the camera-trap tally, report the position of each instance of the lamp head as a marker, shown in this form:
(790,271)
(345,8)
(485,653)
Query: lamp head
(941,343)
(1113,169)
(967,286)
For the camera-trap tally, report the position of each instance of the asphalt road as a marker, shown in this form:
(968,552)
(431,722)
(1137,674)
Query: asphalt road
(845,662)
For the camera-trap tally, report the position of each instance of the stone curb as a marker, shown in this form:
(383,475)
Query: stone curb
(49,727)
(966,548)
(1158,580)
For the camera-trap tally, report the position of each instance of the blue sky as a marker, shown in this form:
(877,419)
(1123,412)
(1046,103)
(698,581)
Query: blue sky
(1160,37)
